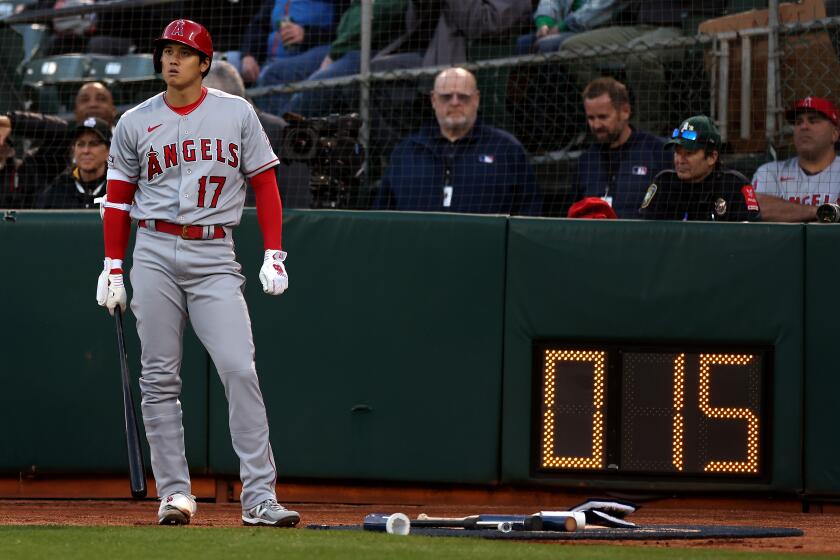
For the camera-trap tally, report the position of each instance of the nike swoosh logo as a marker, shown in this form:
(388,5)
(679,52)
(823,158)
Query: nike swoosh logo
(151,128)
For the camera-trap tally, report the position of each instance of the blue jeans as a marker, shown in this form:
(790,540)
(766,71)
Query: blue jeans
(320,102)
(529,44)
(286,70)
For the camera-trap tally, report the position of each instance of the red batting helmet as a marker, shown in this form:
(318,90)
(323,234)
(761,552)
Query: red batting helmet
(185,32)
(592,207)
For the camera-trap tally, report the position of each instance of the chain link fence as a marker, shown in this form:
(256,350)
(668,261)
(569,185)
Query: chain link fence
(738,66)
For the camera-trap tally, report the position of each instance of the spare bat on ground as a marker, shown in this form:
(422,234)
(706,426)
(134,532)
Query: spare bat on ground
(542,521)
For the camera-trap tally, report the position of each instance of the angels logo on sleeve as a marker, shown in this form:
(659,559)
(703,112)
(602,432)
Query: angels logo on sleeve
(749,197)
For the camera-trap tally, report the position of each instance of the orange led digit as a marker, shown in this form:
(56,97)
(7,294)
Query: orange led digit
(598,360)
(706,363)
(679,403)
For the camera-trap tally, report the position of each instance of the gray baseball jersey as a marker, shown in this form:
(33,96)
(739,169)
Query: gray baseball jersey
(190,170)
(786,180)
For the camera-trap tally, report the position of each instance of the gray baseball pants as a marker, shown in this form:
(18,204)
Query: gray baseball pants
(174,279)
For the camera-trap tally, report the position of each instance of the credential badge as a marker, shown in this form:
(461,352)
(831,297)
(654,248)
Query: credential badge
(649,195)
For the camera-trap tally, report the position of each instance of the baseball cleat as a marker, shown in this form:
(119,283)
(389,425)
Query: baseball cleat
(270,514)
(176,509)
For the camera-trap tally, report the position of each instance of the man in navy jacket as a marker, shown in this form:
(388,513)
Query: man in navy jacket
(622,161)
(459,165)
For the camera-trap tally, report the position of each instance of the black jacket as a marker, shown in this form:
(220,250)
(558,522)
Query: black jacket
(724,196)
(69,191)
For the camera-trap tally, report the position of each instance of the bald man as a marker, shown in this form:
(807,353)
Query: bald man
(459,164)
(53,137)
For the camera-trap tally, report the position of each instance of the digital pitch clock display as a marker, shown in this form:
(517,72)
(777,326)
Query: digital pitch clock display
(651,411)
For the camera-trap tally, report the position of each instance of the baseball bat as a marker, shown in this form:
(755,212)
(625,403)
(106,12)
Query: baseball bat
(543,521)
(136,468)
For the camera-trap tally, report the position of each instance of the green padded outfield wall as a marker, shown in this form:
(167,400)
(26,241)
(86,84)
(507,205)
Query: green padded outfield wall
(822,365)
(390,339)
(61,394)
(661,281)
(383,359)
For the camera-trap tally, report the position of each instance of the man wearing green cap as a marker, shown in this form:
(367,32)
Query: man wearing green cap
(698,188)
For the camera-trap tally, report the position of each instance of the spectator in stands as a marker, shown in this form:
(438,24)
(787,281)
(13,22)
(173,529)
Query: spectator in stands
(86,178)
(285,42)
(94,99)
(557,20)
(459,165)
(114,32)
(53,136)
(293,180)
(542,99)
(12,193)
(344,57)
(437,32)
(635,24)
(698,187)
(622,160)
(791,190)
(227,19)
(70,34)
(224,77)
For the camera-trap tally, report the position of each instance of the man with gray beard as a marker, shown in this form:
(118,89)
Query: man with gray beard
(459,164)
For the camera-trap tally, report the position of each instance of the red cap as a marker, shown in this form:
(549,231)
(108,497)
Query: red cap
(811,103)
(592,207)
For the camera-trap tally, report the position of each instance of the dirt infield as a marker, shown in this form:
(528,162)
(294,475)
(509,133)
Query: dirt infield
(822,530)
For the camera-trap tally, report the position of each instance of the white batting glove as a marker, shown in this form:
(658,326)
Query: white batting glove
(110,290)
(273,274)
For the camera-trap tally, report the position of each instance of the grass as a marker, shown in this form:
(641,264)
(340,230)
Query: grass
(183,543)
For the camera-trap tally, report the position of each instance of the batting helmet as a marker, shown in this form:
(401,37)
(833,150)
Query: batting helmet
(185,32)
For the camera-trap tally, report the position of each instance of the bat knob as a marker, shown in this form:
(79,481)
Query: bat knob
(398,524)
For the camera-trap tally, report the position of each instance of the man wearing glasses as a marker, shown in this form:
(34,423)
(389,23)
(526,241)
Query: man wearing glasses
(791,190)
(459,165)
(698,188)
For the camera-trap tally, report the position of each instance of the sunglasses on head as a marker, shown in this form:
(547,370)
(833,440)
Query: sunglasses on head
(687,134)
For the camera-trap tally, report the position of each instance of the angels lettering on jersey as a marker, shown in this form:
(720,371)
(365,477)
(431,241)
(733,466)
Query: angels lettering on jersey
(201,149)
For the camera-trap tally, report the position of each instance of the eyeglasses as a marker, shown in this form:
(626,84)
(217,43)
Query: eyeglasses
(687,134)
(81,144)
(447,97)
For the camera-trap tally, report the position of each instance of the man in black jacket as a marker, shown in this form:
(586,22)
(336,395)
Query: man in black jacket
(698,188)
(622,160)
(639,24)
(24,176)
(79,185)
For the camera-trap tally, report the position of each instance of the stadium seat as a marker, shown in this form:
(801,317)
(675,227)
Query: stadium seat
(60,69)
(127,68)
(131,77)
(51,82)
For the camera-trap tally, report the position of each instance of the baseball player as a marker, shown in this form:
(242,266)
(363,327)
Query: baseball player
(182,157)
